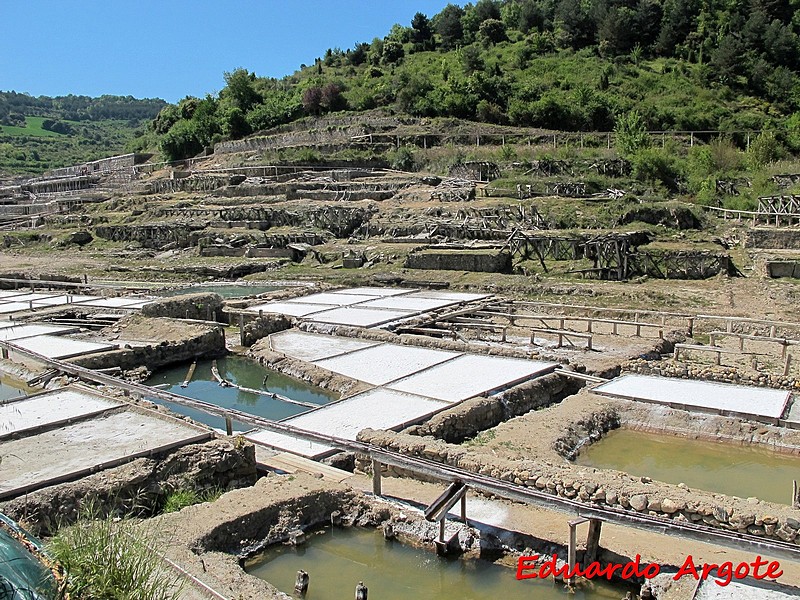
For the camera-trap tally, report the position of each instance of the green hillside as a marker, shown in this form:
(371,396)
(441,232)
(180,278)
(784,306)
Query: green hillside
(556,64)
(40,133)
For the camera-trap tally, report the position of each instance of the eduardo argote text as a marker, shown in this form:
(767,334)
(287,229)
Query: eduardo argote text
(530,567)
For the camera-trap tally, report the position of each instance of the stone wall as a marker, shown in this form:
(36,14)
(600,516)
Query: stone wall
(139,486)
(477,414)
(152,236)
(201,306)
(604,488)
(488,261)
(772,237)
(264,325)
(207,341)
(783,268)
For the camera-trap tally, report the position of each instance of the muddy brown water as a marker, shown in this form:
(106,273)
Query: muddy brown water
(742,471)
(336,559)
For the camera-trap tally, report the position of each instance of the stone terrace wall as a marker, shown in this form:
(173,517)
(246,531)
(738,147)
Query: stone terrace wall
(210,342)
(201,305)
(455,260)
(602,488)
(763,237)
(477,414)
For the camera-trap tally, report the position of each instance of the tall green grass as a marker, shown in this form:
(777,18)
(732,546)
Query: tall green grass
(113,559)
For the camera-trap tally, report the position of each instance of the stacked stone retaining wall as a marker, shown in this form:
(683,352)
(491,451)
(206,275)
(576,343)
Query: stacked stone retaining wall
(477,414)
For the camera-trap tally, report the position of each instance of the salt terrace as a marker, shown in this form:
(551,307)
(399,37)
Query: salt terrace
(412,384)
(72,432)
(366,306)
(699,395)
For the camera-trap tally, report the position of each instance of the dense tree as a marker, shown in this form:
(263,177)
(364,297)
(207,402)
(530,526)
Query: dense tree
(392,51)
(492,31)
(733,48)
(574,27)
(331,98)
(448,26)
(617,31)
(240,89)
(312,100)
(421,32)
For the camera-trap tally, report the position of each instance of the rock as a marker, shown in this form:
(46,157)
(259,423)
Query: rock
(670,506)
(720,514)
(785,533)
(638,502)
(81,238)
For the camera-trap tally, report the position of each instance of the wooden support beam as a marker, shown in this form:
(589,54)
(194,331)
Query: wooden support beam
(592,541)
(572,547)
(376,477)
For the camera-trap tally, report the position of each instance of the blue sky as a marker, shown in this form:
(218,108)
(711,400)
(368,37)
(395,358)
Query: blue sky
(171,49)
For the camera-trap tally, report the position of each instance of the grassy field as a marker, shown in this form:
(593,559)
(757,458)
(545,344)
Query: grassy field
(33,127)
(31,149)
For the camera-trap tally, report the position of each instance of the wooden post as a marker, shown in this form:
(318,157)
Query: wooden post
(786,364)
(376,477)
(691,326)
(241,329)
(464,509)
(361,591)
(592,541)
(441,531)
(572,547)
(301,582)
(228,425)
(718,358)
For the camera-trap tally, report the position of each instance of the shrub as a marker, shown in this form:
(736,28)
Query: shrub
(765,149)
(631,133)
(402,159)
(654,165)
